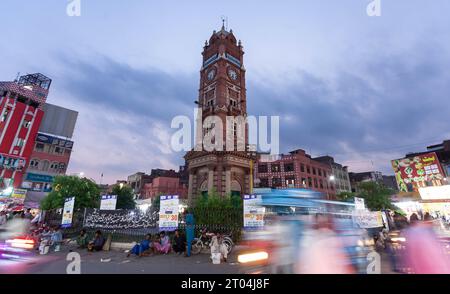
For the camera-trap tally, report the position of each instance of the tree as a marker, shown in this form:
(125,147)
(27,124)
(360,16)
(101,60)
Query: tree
(125,197)
(212,209)
(85,191)
(346,196)
(376,196)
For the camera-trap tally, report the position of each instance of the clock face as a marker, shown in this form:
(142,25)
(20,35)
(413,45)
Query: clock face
(211,74)
(233,75)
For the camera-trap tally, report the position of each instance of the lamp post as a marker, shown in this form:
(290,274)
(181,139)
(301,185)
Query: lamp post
(331,180)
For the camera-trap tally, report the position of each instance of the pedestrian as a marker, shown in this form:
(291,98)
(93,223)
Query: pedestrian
(142,247)
(179,243)
(163,246)
(82,241)
(217,246)
(3,218)
(97,243)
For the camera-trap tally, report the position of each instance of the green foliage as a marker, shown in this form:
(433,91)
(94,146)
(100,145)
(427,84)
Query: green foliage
(346,196)
(85,191)
(213,209)
(376,196)
(156,203)
(125,197)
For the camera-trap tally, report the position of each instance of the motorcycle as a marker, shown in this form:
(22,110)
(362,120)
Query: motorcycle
(204,242)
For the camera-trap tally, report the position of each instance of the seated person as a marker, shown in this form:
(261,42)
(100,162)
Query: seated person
(163,246)
(97,243)
(82,241)
(217,246)
(140,248)
(56,238)
(179,243)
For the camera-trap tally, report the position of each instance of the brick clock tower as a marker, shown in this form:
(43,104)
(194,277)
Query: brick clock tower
(222,93)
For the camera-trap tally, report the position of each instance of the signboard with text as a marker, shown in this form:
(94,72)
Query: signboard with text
(108,202)
(368,219)
(19,194)
(68,212)
(253,212)
(422,170)
(168,213)
(359,204)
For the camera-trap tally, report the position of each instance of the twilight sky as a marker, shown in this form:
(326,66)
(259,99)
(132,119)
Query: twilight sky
(362,89)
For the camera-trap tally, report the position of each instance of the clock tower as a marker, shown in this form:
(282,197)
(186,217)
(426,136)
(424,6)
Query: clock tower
(222,94)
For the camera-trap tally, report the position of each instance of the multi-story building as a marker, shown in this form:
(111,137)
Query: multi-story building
(294,170)
(339,174)
(165,186)
(443,153)
(138,180)
(49,158)
(52,148)
(371,176)
(21,113)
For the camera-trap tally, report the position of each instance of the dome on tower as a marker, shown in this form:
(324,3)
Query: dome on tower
(223,34)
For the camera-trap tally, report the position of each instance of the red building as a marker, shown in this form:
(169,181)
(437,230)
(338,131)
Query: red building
(21,113)
(294,170)
(165,186)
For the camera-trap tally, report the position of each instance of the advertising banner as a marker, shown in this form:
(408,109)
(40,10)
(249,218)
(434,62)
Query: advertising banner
(168,213)
(253,212)
(435,193)
(68,212)
(359,204)
(418,171)
(108,202)
(368,219)
(19,194)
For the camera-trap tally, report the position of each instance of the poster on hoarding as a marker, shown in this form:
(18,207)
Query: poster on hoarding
(418,171)
(435,193)
(168,213)
(368,219)
(253,212)
(108,202)
(359,204)
(68,212)
(19,194)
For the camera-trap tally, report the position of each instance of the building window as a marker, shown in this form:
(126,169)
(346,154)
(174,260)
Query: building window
(302,168)
(275,168)
(26,124)
(290,182)
(321,183)
(276,182)
(304,182)
(20,142)
(310,182)
(34,163)
(264,183)
(5,115)
(308,169)
(262,168)
(288,167)
(314,170)
(325,174)
(315,183)
(39,147)
(319,171)
(45,165)
(59,150)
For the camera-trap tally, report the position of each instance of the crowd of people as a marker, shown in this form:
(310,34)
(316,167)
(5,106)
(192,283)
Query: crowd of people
(160,244)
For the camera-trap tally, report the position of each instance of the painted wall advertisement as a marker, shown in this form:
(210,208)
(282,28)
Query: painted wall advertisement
(418,171)
(108,202)
(68,212)
(168,213)
(253,212)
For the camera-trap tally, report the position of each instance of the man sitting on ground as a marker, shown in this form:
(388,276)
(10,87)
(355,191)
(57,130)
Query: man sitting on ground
(179,243)
(143,247)
(82,241)
(97,243)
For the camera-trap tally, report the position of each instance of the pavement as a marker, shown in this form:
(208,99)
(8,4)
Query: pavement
(116,262)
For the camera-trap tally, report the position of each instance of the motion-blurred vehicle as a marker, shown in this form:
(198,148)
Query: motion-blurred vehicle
(291,210)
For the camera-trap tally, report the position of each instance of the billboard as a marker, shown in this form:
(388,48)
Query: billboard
(58,120)
(108,202)
(43,138)
(253,212)
(422,170)
(168,213)
(68,212)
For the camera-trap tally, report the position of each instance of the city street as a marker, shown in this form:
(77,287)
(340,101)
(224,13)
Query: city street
(116,262)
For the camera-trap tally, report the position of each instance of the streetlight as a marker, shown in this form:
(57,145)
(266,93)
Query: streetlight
(121,186)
